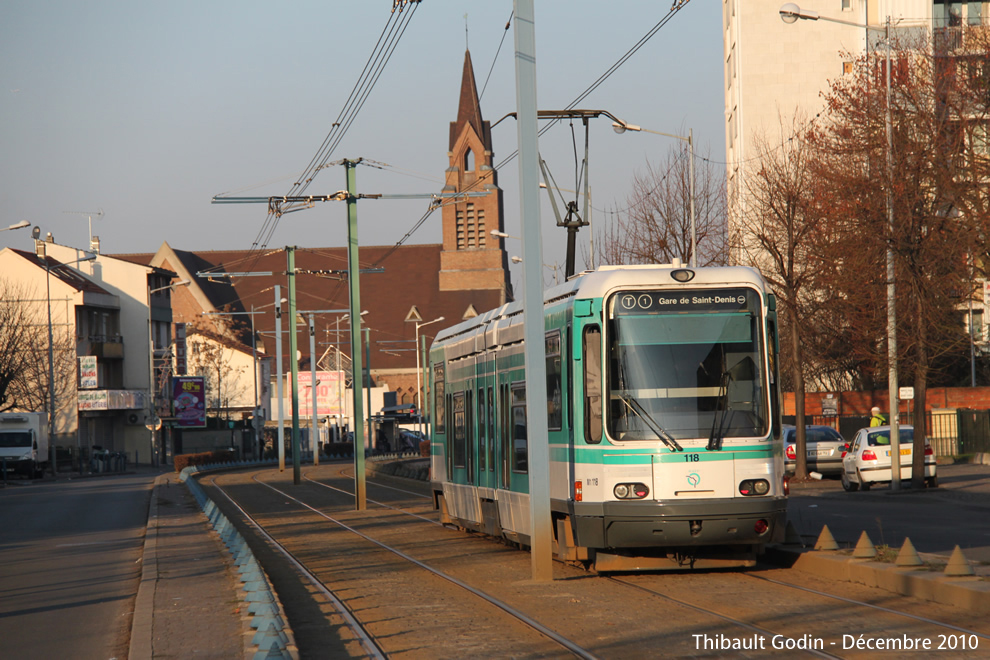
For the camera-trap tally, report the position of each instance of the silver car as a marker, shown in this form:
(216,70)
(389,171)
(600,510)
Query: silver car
(824,447)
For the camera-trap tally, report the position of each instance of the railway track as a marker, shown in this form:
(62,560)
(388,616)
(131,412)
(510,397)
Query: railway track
(392,581)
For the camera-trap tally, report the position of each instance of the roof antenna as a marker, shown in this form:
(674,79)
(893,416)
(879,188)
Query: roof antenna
(466,33)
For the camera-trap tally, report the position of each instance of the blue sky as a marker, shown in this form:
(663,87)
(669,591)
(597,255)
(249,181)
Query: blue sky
(148,110)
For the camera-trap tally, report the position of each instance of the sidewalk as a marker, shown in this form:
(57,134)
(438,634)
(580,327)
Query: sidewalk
(187,603)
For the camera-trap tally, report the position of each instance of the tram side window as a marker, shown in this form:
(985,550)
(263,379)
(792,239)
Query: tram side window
(459,430)
(592,350)
(438,398)
(554,412)
(520,445)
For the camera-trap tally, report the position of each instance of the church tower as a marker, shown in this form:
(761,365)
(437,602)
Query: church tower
(472,258)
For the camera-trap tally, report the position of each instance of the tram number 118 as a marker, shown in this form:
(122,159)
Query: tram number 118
(692,458)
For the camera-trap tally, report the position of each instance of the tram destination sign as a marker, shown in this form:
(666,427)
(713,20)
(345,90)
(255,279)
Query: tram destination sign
(669,302)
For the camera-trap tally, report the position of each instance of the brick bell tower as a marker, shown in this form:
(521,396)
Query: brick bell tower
(472,258)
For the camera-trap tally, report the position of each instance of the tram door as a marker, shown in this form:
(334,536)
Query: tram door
(485,400)
(471,435)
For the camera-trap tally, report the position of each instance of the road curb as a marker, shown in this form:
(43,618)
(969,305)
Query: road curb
(971,592)
(144,605)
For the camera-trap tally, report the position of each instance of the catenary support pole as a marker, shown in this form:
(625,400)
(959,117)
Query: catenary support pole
(290,253)
(278,379)
(357,368)
(532,244)
(314,430)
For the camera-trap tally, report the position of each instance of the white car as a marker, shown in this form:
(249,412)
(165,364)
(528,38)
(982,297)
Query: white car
(867,461)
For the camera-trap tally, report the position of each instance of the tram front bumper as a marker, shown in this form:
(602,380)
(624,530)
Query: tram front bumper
(662,524)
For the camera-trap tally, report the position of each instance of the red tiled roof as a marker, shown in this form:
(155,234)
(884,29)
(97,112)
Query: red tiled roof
(410,278)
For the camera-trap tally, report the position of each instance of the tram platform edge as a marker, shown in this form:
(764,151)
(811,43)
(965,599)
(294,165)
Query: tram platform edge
(187,586)
(926,582)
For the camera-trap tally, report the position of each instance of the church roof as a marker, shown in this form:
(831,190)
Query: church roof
(410,279)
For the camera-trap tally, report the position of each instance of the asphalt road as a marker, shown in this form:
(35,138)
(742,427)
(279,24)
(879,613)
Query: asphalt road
(70,554)
(936,520)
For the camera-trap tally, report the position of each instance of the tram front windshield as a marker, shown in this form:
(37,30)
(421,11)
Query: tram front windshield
(685,363)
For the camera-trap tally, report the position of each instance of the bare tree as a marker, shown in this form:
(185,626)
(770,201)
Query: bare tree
(782,225)
(931,192)
(15,338)
(211,357)
(24,351)
(656,226)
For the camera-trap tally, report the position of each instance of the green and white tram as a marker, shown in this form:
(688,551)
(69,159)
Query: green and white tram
(663,411)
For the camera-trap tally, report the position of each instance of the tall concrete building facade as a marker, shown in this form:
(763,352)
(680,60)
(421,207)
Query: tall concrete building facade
(776,73)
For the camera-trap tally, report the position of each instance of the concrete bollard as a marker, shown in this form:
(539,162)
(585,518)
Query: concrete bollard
(264,637)
(958,566)
(826,541)
(864,548)
(908,556)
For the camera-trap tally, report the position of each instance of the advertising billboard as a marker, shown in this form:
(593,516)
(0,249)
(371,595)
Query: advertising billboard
(329,390)
(88,379)
(189,401)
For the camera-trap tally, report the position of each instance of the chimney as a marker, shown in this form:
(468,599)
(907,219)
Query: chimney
(50,238)
(94,244)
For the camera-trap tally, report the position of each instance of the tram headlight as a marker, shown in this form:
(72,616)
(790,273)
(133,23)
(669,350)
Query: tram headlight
(630,491)
(754,487)
(683,275)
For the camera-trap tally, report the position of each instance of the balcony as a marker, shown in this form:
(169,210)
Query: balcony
(108,347)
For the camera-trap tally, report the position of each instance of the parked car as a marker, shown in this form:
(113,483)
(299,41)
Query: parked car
(868,460)
(824,447)
(409,440)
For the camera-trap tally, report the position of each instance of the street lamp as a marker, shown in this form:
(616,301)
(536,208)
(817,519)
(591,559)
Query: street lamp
(19,225)
(340,380)
(40,248)
(501,234)
(621,127)
(153,421)
(789,13)
(419,407)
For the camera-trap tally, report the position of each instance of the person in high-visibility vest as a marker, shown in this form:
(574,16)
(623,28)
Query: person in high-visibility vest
(878,419)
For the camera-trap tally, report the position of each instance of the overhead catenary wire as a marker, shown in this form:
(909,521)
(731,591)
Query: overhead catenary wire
(677,6)
(381,54)
(385,46)
(508,24)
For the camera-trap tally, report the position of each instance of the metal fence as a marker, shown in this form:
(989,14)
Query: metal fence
(951,432)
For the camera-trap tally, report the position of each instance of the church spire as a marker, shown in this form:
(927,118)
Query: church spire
(469,109)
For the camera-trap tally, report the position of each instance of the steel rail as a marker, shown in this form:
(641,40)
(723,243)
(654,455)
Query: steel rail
(535,625)
(366,640)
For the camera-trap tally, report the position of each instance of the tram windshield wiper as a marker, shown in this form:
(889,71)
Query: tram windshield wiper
(744,369)
(665,437)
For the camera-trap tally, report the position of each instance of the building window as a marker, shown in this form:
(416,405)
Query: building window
(847,5)
(981,140)
(469,161)
(470,227)
(847,68)
(974,13)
